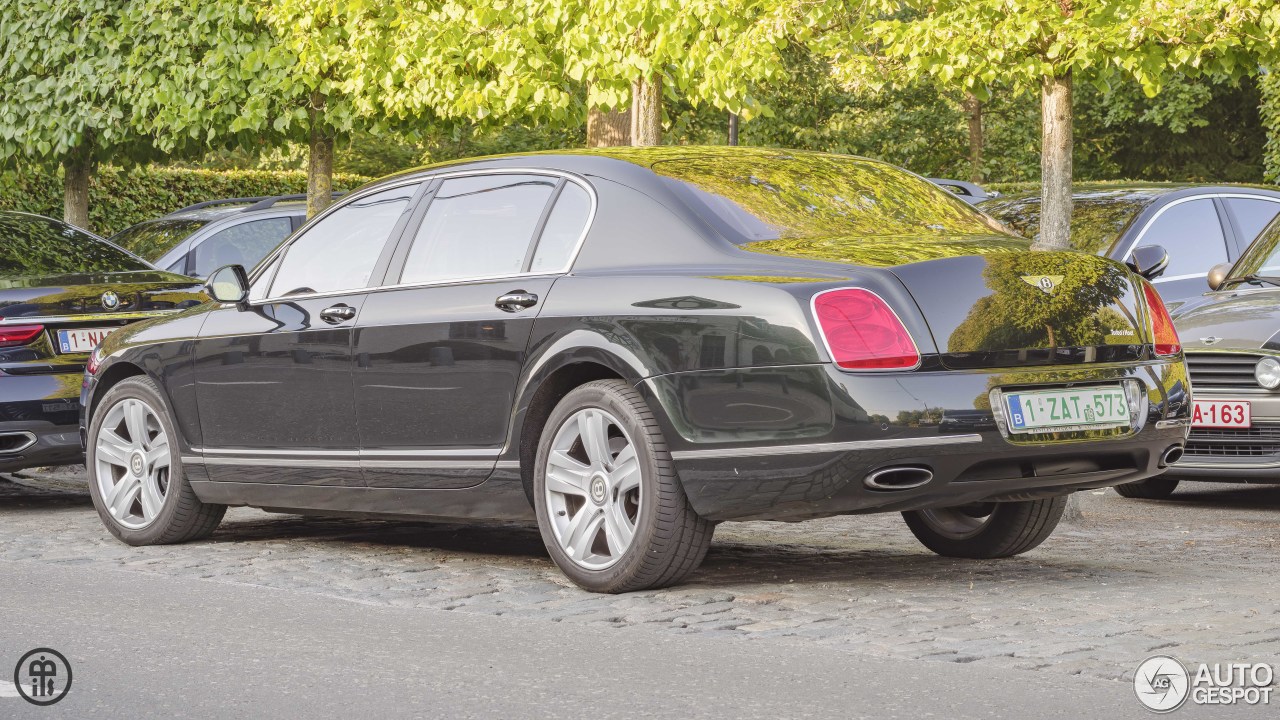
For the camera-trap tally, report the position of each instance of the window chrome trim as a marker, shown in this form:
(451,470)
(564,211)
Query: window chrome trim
(1143,233)
(445,175)
(744,452)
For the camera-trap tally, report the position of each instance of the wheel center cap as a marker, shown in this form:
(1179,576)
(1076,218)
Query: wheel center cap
(137,464)
(599,489)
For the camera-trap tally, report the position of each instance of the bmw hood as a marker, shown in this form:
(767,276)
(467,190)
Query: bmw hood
(130,292)
(1235,320)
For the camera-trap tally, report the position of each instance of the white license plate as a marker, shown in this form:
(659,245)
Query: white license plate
(1221,414)
(1061,410)
(82,340)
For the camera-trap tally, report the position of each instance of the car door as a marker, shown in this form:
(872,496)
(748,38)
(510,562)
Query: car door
(439,352)
(1191,231)
(273,378)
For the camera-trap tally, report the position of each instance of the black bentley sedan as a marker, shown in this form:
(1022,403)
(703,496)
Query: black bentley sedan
(633,345)
(62,290)
(1199,226)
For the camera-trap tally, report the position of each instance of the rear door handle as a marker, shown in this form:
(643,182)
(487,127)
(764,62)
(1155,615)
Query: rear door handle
(337,314)
(515,301)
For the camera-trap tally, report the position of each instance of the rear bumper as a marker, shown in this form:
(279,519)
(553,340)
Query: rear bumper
(43,408)
(791,443)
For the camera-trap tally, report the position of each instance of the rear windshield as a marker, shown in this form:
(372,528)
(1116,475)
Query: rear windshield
(153,239)
(1096,223)
(32,246)
(813,196)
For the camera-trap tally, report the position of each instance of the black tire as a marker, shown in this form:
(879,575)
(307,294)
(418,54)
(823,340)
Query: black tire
(1156,488)
(1011,528)
(670,539)
(182,517)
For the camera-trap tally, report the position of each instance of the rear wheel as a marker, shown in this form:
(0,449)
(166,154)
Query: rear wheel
(986,530)
(1156,488)
(610,508)
(135,471)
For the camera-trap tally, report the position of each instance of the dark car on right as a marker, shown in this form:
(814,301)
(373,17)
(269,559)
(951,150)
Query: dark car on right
(1200,226)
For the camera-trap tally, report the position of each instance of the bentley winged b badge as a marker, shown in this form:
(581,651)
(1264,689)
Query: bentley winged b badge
(1047,283)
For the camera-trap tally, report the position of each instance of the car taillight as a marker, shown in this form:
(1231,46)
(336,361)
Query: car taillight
(95,361)
(13,335)
(862,332)
(1163,335)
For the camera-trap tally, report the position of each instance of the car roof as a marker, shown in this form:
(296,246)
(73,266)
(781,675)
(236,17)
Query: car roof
(1140,193)
(217,212)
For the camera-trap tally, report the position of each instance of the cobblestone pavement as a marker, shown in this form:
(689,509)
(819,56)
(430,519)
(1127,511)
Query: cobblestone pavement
(1194,577)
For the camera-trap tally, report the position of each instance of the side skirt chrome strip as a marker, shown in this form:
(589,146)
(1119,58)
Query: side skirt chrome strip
(770,450)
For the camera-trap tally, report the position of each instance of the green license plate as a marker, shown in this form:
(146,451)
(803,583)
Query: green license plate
(1058,410)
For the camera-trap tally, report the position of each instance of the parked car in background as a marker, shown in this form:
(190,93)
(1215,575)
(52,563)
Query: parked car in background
(971,193)
(198,239)
(631,345)
(62,290)
(1199,226)
(1232,341)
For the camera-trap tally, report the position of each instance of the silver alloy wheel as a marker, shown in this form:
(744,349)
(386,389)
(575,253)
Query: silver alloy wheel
(961,522)
(593,488)
(131,463)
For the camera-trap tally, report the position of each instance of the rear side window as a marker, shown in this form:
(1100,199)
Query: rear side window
(153,239)
(563,230)
(243,244)
(1252,215)
(1192,234)
(32,246)
(340,251)
(478,227)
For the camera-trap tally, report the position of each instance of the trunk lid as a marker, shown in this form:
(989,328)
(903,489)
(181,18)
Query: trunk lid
(1028,308)
(109,295)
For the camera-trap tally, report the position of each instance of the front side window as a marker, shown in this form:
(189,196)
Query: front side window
(1191,233)
(340,251)
(243,244)
(478,227)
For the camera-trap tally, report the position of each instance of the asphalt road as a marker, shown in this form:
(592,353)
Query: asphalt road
(282,616)
(145,646)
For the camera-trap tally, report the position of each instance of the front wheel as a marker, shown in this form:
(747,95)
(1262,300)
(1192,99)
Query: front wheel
(1156,488)
(986,530)
(135,470)
(610,508)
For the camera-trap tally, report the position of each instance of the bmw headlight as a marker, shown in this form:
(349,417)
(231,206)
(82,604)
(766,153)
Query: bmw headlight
(1268,373)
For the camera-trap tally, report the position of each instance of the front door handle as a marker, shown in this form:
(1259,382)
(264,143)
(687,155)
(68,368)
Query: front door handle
(515,301)
(337,314)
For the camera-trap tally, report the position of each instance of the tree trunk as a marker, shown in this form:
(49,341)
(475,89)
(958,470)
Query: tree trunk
(646,111)
(973,107)
(319,160)
(608,128)
(733,129)
(76,169)
(1055,164)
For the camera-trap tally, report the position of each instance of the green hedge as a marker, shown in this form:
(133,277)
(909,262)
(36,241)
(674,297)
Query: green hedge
(119,198)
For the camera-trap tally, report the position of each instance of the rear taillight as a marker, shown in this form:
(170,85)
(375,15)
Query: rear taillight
(14,335)
(862,332)
(95,361)
(1163,335)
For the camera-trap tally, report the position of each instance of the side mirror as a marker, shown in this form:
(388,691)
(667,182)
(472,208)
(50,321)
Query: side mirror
(1217,274)
(1149,261)
(229,284)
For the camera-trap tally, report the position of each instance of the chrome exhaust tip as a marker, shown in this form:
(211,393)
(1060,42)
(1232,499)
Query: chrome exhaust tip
(1171,456)
(904,477)
(16,442)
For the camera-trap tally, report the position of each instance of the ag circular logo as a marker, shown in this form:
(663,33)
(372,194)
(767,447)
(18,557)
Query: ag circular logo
(110,300)
(43,676)
(1162,683)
